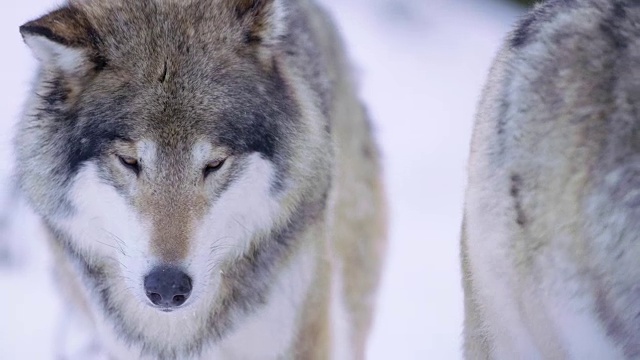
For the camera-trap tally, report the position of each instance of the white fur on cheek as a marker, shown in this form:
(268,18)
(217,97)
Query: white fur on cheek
(246,208)
(103,225)
(51,53)
(272,330)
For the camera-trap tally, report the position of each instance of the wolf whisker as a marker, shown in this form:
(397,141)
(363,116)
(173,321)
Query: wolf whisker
(121,244)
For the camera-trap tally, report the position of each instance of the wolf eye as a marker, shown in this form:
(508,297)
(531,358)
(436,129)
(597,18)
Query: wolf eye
(212,167)
(130,163)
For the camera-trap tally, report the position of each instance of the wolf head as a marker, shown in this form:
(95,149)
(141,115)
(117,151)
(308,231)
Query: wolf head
(175,148)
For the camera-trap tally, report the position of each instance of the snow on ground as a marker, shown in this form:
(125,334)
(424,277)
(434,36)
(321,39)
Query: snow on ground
(421,64)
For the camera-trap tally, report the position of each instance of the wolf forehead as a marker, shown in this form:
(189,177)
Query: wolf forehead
(172,70)
(236,112)
(124,30)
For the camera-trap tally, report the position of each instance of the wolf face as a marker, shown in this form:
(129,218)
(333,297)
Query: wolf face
(174,155)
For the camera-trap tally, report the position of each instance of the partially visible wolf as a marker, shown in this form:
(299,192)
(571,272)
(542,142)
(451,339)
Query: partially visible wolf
(207,176)
(551,236)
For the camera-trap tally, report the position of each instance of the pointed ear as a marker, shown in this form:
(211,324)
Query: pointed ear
(265,20)
(63,40)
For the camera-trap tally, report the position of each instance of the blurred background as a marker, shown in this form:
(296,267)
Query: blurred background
(421,65)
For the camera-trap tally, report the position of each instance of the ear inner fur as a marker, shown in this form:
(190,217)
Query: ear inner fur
(67,26)
(65,40)
(260,17)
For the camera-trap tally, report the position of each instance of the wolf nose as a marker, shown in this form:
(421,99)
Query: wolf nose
(167,287)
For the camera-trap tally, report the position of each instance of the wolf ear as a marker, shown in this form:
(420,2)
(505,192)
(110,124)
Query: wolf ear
(264,19)
(62,39)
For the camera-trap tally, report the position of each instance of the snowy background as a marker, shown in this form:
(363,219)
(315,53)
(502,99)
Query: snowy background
(421,65)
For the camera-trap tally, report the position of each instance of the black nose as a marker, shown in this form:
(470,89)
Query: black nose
(167,287)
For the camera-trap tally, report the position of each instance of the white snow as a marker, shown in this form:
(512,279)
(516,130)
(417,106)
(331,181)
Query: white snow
(421,64)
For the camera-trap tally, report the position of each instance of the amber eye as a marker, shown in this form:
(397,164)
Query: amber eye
(213,166)
(130,163)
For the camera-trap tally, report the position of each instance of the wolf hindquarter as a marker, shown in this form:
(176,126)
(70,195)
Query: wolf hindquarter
(207,177)
(551,236)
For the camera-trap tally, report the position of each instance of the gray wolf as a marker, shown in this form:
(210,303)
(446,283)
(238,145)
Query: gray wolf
(550,242)
(207,177)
